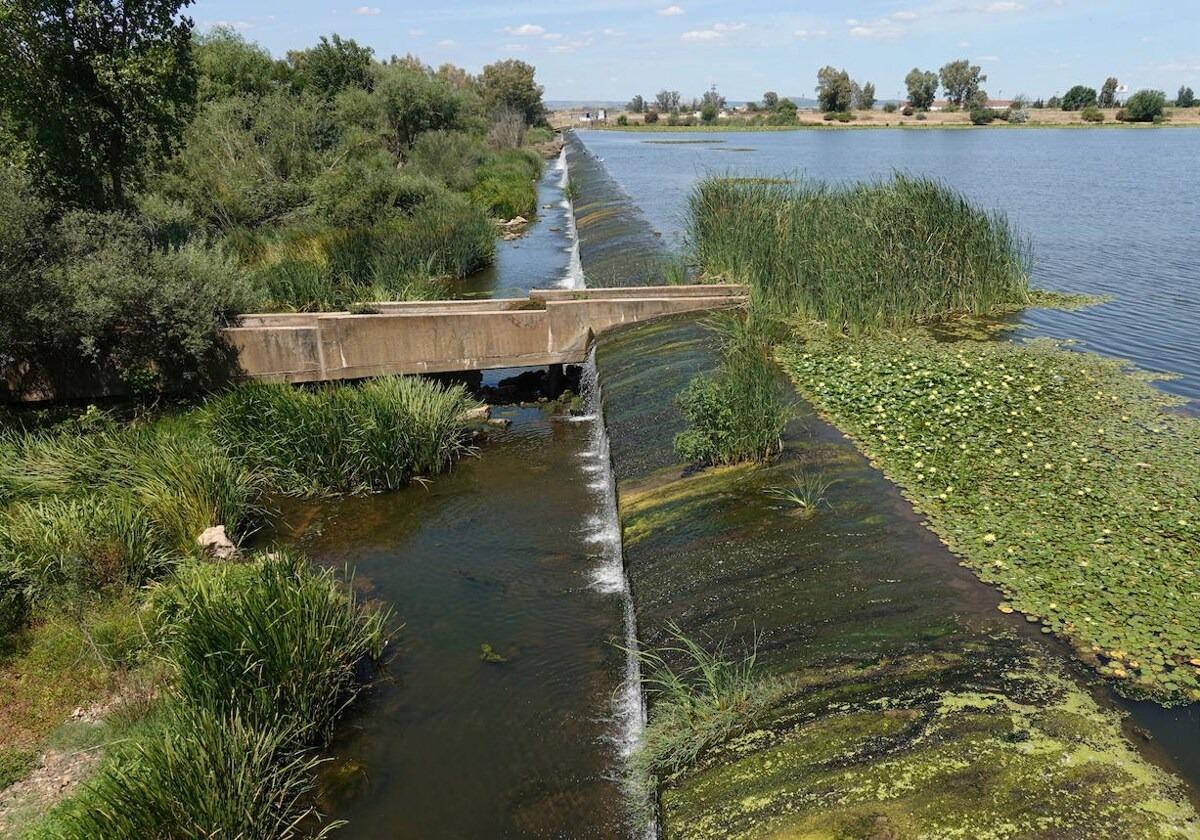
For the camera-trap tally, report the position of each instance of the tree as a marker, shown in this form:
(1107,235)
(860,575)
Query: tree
(414,101)
(786,106)
(667,101)
(100,89)
(510,84)
(228,66)
(770,100)
(1078,98)
(332,66)
(1185,98)
(1108,93)
(713,98)
(962,81)
(835,91)
(922,88)
(708,112)
(1145,106)
(1054,102)
(866,97)
(636,105)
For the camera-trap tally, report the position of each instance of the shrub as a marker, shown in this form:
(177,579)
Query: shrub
(908,111)
(1017,116)
(448,156)
(889,107)
(1145,105)
(830,116)
(651,117)
(377,436)
(922,116)
(782,118)
(1121,116)
(505,184)
(736,414)
(885,253)
(1091,114)
(622,120)
(539,135)
(507,130)
(983,116)
(366,192)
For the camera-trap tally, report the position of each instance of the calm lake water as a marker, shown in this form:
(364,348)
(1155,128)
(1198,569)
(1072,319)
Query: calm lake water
(1109,211)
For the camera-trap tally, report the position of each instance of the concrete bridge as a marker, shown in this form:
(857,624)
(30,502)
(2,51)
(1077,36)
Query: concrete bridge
(548,327)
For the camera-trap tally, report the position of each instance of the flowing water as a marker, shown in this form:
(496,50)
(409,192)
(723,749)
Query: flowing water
(1109,211)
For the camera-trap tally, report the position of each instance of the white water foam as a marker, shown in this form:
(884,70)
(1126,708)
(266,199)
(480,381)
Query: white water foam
(604,530)
(573,276)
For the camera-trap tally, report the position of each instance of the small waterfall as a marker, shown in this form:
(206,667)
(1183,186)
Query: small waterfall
(604,530)
(573,276)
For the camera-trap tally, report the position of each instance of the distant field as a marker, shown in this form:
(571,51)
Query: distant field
(809,118)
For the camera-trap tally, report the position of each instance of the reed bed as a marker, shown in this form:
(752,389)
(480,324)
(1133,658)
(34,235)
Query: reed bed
(339,439)
(879,254)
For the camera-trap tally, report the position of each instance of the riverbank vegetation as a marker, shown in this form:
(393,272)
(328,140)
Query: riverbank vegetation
(1063,478)
(202,657)
(203,177)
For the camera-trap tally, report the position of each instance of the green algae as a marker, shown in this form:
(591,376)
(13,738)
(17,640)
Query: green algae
(1032,757)
(1063,478)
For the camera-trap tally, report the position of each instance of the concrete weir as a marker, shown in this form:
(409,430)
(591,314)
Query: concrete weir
(548,327)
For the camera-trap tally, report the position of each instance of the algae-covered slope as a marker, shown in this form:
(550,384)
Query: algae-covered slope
(914,708)
(617,245)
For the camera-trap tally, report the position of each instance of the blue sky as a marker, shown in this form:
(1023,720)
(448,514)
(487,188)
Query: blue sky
(612,49)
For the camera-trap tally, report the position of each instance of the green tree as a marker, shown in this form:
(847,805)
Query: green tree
(835,91)
(100,89)
(412,102)
(228,65)
(332,66)
(636,105)
(770,100)
(1145,105)
(962,81)
(708,112)
(1185,98)
(922,88)
(1108,93)
(712,97)
(510,84)
(1078,98)
(865,100)
(786,106)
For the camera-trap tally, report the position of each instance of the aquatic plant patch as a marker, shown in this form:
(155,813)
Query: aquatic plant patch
(1063,478)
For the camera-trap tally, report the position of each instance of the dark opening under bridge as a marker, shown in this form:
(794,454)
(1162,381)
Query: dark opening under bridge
(548,327)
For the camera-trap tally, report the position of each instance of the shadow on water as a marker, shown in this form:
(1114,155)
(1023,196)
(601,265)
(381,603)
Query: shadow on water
(500,552)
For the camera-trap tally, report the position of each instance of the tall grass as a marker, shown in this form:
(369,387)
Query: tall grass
(342,439)
(505,184)
(263,657)
(700,697)
(884,253)
(737,413)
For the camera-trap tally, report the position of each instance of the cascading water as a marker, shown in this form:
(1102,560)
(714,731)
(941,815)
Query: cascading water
(573,276)
(604,531)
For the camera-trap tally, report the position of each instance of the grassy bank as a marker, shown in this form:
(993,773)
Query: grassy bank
(109,603)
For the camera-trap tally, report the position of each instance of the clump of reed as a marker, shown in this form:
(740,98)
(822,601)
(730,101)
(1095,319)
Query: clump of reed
(877,254)
(808,492)
(262,657)
(505,183)
(738,412)
(700,696)
(343,439)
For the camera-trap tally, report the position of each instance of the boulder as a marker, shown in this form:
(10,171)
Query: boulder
(216,544)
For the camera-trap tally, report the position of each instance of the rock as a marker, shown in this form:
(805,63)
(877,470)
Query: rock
(554,229)
(214,542)
(516,221)
(547,206)
(499,422)
(477,415)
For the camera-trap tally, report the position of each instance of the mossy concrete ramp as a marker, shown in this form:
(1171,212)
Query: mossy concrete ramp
(548,327)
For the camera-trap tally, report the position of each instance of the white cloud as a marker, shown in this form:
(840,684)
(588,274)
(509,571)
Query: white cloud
(805,34)
(367,10)
(701,35)
(447,42)
(729,27)
(671,11)
(525,29)
(1002,7)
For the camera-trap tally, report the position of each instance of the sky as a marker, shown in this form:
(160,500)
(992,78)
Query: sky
(613,49)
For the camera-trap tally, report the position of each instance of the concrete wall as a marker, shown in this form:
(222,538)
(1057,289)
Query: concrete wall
(551,326)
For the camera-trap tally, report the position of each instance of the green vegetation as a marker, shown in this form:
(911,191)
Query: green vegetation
(807,492)
(1058,476)
(737,413)
(1078,98)
(156,184)
(1091,114)
(377,436)
(706,697)
(848,256)
(1144,106)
